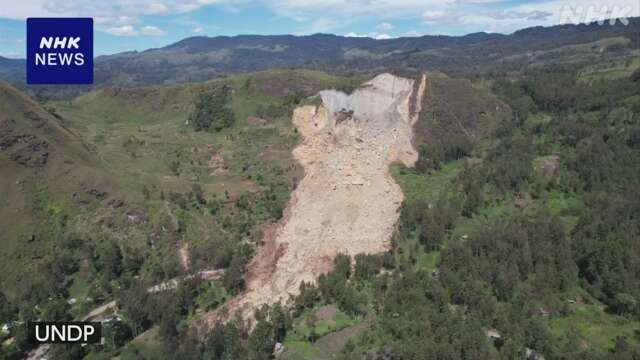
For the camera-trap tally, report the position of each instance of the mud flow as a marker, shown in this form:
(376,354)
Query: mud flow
(347,201)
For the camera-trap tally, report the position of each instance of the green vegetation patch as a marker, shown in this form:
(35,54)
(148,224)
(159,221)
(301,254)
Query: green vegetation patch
(594,327)
(421,187)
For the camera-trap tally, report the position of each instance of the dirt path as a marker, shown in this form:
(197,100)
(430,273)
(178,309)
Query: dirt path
(171,284)
(347,201)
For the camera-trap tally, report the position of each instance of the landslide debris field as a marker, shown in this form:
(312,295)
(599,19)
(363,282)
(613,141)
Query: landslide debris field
(347,201)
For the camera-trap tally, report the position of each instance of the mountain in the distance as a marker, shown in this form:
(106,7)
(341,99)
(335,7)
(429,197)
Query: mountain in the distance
(12,70)
(202,58)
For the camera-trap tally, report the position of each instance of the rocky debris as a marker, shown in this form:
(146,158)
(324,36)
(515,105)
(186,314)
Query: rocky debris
(30,160)
(136,218)
(116,203)
(216,163)
(343,115)
(493,334)
(25,149)
(278,349)
(9,141)
(347,201)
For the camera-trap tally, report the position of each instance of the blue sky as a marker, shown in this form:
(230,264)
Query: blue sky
(123,25)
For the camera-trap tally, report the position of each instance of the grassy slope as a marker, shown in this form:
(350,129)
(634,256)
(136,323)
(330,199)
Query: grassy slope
(31,194)
(118,141)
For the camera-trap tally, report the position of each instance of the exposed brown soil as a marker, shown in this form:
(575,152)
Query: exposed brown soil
(347,201)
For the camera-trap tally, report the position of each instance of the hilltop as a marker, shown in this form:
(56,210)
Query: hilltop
(204,58)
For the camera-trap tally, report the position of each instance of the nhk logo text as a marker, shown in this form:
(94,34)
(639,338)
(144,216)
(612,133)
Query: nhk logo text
(56,58)
(59,50)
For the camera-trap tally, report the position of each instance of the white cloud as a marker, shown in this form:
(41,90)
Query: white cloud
(157,9)
(114,20)
(434,15)
(130,30)
(198,30)
(385,26)
(151,30)
(24,9)
(374,35)
(124,17)
(124,30)
(353,8)
(110,16)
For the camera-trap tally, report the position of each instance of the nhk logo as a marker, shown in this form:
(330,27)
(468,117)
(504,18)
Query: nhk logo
(56,58)
(59,50)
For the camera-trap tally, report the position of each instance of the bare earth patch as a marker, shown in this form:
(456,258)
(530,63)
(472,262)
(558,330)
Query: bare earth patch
(347,201)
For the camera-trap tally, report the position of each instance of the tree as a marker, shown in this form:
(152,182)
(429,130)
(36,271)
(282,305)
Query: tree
(636,75)
(233,279)
(367,266)
(198,193)
(135,305)
(116,334)
(212,111)
(280,322)
(625,304)
(262,340)
(66,352)
(108,260)
(7,309)
(168,329)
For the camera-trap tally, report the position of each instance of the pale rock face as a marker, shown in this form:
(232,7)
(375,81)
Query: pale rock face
(347,201)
